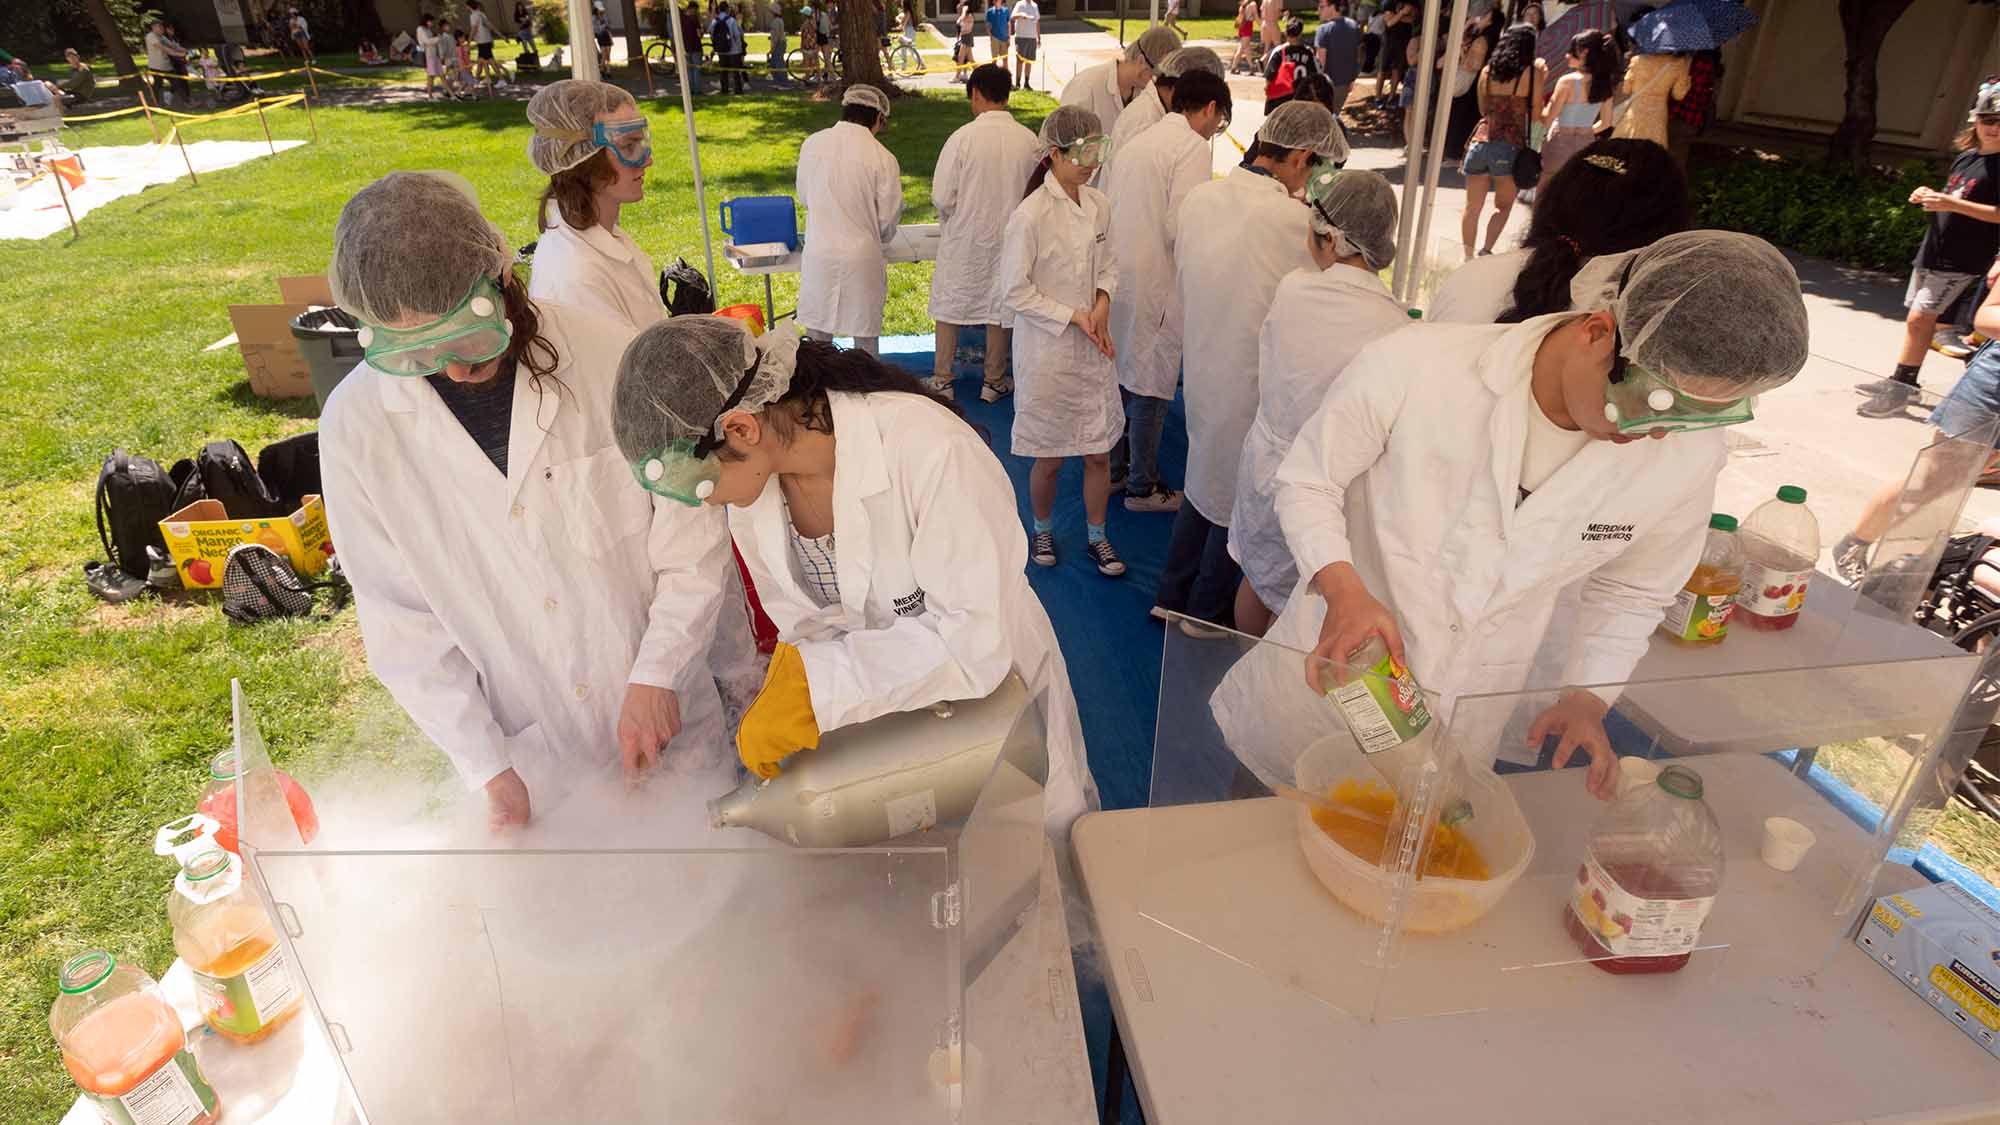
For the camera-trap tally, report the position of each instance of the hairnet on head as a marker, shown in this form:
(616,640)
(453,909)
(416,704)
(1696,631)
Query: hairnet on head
(860,94)
(1153,46)
(1307,125)
(1716,313)
(374,274)
(1068,124)
(561,114)
(1191,58)
(677,377)
(1358,208)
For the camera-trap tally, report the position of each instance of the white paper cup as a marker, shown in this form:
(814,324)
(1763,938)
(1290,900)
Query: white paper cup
(1786,842)
(1635,774)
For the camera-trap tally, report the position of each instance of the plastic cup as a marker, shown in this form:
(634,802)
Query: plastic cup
(1635,774)
(1786,842)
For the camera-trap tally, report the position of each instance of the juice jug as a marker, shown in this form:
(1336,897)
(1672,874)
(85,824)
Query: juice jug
(124,1046)
(243,980)
(1648,877)
(218,801)
(1780,549)
(1385,712)
(1700,615)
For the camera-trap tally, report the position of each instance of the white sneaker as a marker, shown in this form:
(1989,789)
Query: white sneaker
(994,392)
(1160,500)
(941,386)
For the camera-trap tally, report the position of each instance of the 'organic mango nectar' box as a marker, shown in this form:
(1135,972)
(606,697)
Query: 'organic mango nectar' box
(1945,945)
(200,536)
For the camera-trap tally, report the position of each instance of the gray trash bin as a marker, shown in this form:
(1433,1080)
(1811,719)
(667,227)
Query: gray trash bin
(329,340)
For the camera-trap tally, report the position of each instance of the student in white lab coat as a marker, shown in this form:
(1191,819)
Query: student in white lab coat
(594,145)
(1320,317)
(1057,272)
(852,190)
(1161,167)
(1106,88)
(1614,196)
(1236,238)
(876,522)
(981,173)
(1150,103)
(1459,478)
(538,617)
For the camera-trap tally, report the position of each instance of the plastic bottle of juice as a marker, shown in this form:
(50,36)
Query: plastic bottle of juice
(1780,549)
(243,981)
(1385,711)
(218,801)
(1648,878)
(123,1044)
(1700,615)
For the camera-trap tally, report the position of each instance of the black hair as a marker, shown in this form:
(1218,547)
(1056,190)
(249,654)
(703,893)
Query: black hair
(1265,150)
(992,82)
(1514,56)
(1294,28)
(1039,175)
(1614,196)
(823,368)
(1600,57)
(527,349)
(1197,88)
(862,115)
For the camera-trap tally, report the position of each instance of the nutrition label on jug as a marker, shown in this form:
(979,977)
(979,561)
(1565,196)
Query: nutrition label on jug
(271,983)
(166,1097)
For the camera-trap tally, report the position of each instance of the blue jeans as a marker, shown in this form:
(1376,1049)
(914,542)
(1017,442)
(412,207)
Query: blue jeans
(1199,578)
(1136,457)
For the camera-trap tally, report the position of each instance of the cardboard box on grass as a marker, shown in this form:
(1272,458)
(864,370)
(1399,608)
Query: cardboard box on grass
(199,538)
(308,289)
(1944,945)
(270,352)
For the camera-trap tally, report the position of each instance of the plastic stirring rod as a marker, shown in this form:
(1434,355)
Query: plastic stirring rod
(1294,793)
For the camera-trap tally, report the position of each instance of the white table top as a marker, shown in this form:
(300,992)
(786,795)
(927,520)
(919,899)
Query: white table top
(914,242)
(1228,1034)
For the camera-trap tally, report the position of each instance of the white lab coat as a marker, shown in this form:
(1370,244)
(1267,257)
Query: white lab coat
(1095,88)
(852,190)
(934,598)
(507,616)
(1318,320)
(981,174)
(1411,471)
(1159,169)
(1058,256)
(598,271)
(1144,112)
(1478,291)
(1237,238)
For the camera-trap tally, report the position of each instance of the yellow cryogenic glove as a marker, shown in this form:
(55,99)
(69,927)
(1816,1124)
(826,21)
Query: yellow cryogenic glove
(780,721)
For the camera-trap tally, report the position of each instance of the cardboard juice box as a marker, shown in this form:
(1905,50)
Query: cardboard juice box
(1945,945)
(200,535)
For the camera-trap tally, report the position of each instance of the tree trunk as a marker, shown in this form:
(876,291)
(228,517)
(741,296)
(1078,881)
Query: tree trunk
(114,42)
(1864,24)
(364,22)
(635,48)
(860,47)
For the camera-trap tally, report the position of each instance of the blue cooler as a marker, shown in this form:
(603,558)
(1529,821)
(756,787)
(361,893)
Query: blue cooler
(752,219)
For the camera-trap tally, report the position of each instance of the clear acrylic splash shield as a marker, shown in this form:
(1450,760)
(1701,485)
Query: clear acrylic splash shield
(1847,748)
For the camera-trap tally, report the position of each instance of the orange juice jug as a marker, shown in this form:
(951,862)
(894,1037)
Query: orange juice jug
(123,1044)
(1700,615)
(243,980)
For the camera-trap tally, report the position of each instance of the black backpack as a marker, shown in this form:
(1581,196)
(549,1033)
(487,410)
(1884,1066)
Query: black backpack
(290,469)
(685,291)
(223,471)
(133,495)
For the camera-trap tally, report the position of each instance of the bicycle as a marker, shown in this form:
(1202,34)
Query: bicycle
(904,61)
(822,71)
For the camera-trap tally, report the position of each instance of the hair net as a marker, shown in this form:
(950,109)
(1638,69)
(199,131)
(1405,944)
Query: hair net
(1153,46)
(1068,124)
(676,376)
(860,94)
(1716,313)
(1358,208)
(1191,58)
(376,275)
(561,114)
(1308,125)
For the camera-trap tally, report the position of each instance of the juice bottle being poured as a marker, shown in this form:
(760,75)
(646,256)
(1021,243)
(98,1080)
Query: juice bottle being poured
(1384,709)
(1648,879)
(218,801)
(1700,615)
(1780,549)
(243,981)
(123,1044)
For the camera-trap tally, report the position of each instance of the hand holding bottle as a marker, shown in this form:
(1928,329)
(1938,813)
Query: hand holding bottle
(1352,616)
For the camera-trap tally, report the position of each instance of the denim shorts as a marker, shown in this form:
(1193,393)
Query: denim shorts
(1975,399)
(1489,158)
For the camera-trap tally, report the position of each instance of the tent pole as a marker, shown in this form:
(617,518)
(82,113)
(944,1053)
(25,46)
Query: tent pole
(694,147)
(582,44)
(1434,164)
(1413,154)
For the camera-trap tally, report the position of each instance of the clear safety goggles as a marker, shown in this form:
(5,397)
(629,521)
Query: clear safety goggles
(1089,152)
(681,470)
(1639,400)
(475,331)
(630,142)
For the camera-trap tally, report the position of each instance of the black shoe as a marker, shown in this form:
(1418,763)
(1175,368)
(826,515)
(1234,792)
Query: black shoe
(1889,401)
(111,584)
(1107,560)
(1042,548)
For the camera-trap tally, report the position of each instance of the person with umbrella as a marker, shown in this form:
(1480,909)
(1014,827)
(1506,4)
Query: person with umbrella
(1665,41)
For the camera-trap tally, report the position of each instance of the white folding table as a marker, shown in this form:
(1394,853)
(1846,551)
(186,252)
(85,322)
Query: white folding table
(914,242)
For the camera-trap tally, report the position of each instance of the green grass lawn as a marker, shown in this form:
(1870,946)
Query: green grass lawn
(1207,27)
(108,715)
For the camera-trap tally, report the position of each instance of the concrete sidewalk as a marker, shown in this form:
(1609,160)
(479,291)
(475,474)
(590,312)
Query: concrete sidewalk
(1806,433)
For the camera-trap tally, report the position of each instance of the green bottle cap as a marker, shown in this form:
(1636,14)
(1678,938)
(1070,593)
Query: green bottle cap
(1792,494)
(1416,314)
(1681,782)
(1720,522)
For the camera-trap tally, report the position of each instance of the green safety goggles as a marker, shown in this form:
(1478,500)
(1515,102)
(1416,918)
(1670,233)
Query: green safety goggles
(1089,152)
(681,470)
(473,332)
(1639,401)
(630,142)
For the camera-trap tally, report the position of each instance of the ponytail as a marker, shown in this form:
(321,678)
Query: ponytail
(1041,173)
(1614,196)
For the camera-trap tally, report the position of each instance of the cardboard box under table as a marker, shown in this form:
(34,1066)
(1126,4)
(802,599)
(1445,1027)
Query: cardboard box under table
(200,536)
